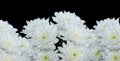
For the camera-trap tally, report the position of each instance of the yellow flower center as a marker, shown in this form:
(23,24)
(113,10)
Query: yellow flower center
(115,57)
(43,37)
(89,37)
(113,37)
(97,53)
(45,58)
(74,54)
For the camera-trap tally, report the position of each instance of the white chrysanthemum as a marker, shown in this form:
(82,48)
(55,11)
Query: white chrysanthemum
(9,42)
(106,23)
(65,19)
(111,37)
(46,55)
(91,38)
(5,27)
(25,47)
(72,52)
(43,35)
(95,53)
(33,24)
(111,56)
(12,57)
(74,34)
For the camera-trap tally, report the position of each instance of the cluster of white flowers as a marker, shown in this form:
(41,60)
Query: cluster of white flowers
(69,39)
(12,46)
(43,37)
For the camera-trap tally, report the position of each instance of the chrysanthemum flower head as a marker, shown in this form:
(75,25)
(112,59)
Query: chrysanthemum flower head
(95,53)
(33,24)
(25,47)
(71,52)
(9,42)
(42,34)
(46,55)
(74,34)
(65,19)
(106,23)
(90,38)
(112,56)
(110,37)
